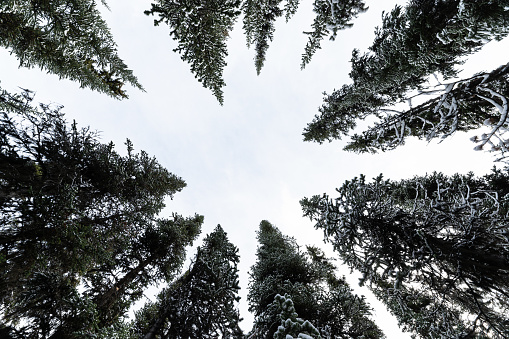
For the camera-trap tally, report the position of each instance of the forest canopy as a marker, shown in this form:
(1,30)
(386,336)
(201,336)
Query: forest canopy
(90,248)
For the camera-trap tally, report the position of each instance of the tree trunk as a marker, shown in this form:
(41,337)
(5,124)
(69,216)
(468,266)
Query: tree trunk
(154,330)
(107,299)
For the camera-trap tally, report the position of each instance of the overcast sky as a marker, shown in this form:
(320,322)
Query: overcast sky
(245,161)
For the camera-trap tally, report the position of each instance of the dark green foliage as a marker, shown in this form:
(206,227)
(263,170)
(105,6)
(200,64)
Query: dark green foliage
(461,106)
(443,238)
(67,38)
(425,37)
(330,16)
(307,279)
(202,303)
(155,255)
(259,20)
(201,28)
(74,213)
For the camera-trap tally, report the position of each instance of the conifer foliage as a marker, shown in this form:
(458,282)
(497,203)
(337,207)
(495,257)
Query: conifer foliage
(424,38)
(202,303)
(259,20)
(291,324)
(201,28)
(323,301)
(331,16)
(79,234)
(432,246)
(462,105)
(68,38)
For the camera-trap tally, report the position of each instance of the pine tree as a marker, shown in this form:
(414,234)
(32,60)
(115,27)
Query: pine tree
(258,23)
(201,28)
(445,237)
(332,16)
(202,303)
(424,38)
(74,213)
(67,38)
(462,105)
(281,268)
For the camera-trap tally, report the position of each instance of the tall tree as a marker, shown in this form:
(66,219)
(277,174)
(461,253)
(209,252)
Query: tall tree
(445,237)
(73,210)
(331,15)
(414,42)
(461,105)
(202,303)
(260,17)
(308,279)
(258,23)
(201,28)
(68,38)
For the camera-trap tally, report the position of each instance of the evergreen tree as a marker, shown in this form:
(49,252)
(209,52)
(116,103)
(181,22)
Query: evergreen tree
(307,279)
(67,38)
(462,105)
(201,28)
(443,237)
(74,213)
(424,38)
(333,15)
(259,20)
(202,302)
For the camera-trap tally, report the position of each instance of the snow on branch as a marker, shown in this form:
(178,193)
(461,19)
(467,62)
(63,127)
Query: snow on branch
(462,105)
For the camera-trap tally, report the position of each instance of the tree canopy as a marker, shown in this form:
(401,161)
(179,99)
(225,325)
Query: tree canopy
(79,237)
(68,38)
(424,38)
(325,302)
(440,240)
(202,27)
(202,303)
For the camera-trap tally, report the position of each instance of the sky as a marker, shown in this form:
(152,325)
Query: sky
(245,162)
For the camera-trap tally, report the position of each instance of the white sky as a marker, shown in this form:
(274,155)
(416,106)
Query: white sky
(246,161)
